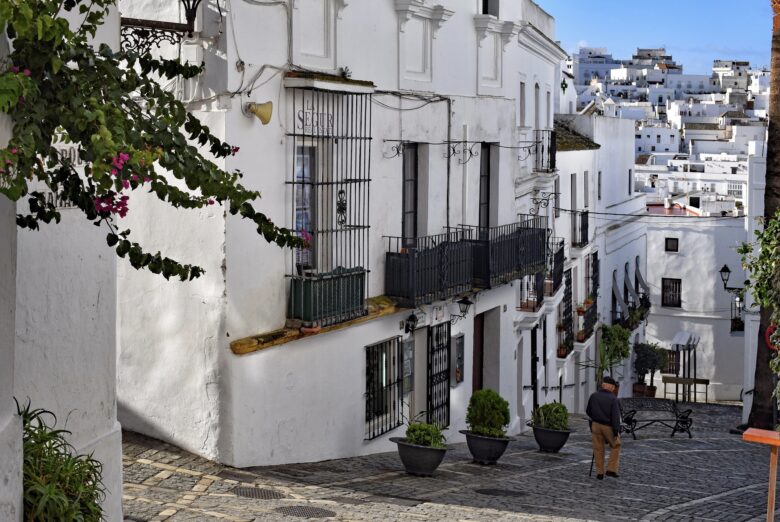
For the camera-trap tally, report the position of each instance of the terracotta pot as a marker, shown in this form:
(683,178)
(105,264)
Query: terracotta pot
(562,352)
(580,337)
(639,389)
(650,391)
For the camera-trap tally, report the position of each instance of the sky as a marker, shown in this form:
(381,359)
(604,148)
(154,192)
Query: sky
(694,32)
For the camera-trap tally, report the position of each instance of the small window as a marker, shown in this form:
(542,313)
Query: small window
(640,149)
(384,387)
(638,136)
(598,186)
(671,292)
(652,148)
(658,138)
(522,104)
(672,244)
(490,7)
(585,189)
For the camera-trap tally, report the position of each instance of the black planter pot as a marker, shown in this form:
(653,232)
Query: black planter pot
(419,460)
(550,441)
(485,450)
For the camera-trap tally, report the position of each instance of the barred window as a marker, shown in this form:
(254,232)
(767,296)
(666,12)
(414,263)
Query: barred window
(671,292)
(384,387)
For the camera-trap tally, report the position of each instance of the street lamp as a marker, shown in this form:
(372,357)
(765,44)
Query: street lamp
(464,305)
(725,273)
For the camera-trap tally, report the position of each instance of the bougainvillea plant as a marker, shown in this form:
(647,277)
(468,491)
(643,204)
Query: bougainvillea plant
(131,134)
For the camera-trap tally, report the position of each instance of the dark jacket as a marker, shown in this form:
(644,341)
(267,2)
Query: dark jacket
(604,408)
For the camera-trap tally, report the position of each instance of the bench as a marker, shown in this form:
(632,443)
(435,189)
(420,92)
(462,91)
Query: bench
(689,386)
(638,413)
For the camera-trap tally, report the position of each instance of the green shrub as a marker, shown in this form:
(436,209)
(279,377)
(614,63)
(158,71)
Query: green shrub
(58,485)
(424,434)
(488,414)
(552,416)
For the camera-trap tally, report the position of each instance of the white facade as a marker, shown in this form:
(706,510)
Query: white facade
(267,406)
(656,138)
(10,423)
(58,338)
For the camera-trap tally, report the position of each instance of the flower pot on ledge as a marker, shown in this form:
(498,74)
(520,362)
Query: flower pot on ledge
(581,336)
(563,351)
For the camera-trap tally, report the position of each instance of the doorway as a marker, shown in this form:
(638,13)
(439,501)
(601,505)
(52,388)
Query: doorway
(479,353)
(535,366)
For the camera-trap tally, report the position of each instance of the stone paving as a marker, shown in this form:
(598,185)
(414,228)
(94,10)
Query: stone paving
(714,476)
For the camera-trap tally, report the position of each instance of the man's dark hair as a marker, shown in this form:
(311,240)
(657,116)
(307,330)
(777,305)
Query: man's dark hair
(610,380)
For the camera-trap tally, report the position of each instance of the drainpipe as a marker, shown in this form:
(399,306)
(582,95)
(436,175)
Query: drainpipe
(449,159)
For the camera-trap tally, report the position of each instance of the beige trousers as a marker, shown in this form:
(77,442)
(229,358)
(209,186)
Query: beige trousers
(601,434)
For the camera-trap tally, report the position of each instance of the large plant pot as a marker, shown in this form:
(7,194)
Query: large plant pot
(650,392)
(639,389)
(485,450)
(550,441)
(419,460)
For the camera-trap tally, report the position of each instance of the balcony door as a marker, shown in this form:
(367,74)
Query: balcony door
(484,192)
(479,351)
(410,188)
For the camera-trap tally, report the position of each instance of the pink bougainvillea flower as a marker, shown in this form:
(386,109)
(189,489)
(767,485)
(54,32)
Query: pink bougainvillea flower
(27,72)
(14,150)
(147,179)
(125,184)
(15,69)
(114,172)
(211,201)
(235,150)
(134,177)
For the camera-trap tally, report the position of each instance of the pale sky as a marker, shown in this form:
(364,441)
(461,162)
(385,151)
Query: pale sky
(695,32)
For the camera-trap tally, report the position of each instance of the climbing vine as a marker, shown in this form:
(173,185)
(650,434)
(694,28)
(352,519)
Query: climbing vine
(130,133)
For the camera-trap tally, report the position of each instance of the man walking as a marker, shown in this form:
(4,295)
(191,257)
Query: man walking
(604,412)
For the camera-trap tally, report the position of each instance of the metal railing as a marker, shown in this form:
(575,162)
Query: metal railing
(426,269)
(531,293)
(579,229)
(328,298)
(588,322)
(737,322)
(554,276)
(384,387)
(544,151)
(508,252)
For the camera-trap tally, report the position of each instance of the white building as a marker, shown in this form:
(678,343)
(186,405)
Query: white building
(58,335)
(656,138)
(421,165)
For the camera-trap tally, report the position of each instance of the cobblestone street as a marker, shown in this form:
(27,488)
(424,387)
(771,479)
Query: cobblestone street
(714,476)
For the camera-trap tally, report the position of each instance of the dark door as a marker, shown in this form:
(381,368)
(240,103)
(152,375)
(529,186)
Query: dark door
(534,366)
(409,199)
(479,352)
(484,193)
(439,375)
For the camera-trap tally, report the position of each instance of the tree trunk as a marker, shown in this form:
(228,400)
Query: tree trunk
(761,412)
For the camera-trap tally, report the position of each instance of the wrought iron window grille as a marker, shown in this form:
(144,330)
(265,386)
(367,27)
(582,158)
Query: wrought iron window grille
(330,134)
(384,387)
(140,35)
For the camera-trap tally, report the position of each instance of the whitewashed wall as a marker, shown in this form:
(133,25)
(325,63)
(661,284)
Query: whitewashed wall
(10,425)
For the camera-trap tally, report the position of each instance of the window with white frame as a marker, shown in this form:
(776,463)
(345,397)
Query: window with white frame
(735,189)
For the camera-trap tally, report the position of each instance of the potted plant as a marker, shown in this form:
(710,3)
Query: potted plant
(580,309)
(635,317)
(422,450)
(581,336)
(644,353)
(659,361)
(560,326)
(588,301)
(563,351)
(613,348)
(550,423)
(486,417)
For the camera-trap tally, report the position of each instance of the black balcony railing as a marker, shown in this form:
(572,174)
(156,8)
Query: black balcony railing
(619,318)
(427,269)
(556,260)
(737,321)
(531,295)
(508,252)
(588,321)
(544,151)
(579,229)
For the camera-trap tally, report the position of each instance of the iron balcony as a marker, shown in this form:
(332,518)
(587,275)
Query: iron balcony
(426,269)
